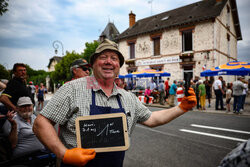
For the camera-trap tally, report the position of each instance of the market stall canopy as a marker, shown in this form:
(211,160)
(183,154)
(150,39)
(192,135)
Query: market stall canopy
(231,68)
(121,76)
(147,73)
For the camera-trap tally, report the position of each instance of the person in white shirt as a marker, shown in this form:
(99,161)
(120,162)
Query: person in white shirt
(244,94)
(218,93)
(238,88)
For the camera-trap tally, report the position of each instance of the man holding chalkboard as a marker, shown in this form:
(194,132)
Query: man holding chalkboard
(93,95)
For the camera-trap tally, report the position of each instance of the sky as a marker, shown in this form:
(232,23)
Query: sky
(29,28)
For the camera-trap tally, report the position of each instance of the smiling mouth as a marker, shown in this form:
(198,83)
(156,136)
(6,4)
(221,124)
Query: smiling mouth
(108,69)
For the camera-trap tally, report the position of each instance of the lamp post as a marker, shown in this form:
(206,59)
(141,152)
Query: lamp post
(56,46)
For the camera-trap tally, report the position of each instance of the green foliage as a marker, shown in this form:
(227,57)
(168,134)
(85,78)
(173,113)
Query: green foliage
(62,69)
(36,76)
(90,49)
(4,74)
(3,6)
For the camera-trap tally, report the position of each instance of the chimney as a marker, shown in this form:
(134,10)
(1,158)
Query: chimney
(131,19)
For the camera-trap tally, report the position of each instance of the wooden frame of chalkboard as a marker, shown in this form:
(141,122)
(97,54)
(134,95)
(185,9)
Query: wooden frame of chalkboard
(104,132)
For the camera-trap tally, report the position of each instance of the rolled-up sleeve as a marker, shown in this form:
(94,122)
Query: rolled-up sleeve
(59,107)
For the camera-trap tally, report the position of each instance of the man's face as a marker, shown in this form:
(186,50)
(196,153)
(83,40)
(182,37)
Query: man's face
(221,78)
(25,111)
(80,72)
(20,72)
(106,65)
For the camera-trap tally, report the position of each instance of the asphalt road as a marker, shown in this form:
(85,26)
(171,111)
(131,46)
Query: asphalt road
(193,140)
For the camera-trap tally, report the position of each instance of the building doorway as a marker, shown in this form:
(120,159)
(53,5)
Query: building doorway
(187,74)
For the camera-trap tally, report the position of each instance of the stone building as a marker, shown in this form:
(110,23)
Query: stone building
(52,62)
(182,41)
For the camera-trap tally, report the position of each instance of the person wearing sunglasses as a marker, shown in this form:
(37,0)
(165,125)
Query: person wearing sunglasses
(80,68)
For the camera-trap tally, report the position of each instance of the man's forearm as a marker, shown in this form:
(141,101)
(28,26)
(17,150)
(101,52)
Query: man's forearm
(13,136)
(6,101)
(44,130)
(163,116)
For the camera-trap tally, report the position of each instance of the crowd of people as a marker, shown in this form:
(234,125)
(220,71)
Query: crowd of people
(88,95)
(223,92)
(204,89)
(100,93)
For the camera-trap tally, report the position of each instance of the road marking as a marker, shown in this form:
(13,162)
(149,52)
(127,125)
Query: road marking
(213,135)
(181,137)
(153,130)
(217,128)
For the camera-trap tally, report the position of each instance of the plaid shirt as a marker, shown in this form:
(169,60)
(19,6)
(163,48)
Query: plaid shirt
(74,98)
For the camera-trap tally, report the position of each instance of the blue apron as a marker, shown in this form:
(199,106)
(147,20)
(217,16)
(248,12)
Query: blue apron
(107,159)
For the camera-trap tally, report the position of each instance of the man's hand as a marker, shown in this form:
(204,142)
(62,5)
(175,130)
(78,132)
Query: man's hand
(78,156)
(188,102)
(10,115)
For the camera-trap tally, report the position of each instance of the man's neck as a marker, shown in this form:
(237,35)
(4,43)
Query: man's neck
(106,85)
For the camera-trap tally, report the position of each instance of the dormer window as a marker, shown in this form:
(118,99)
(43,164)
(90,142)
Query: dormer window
(165,18)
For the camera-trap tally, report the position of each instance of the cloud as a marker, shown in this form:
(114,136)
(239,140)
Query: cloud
(29,28)
(37,56)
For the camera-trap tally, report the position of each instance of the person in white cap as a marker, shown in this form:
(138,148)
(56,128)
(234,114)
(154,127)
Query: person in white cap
(19,129)
(92,95)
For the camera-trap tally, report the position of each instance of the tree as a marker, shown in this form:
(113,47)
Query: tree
(89,50)
(4,74)
(62,69)
(36,76)
(3,6)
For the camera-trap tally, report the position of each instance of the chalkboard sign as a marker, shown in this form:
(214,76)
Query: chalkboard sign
(104,132)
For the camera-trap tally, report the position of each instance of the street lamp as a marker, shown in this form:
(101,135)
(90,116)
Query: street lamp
(56,46)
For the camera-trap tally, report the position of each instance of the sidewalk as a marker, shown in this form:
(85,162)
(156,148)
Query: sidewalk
(246,111)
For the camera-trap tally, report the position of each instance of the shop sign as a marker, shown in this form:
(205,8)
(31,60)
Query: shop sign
(164,60)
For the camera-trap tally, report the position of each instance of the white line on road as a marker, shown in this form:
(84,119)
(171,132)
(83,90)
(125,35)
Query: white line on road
(213,135)
(217,128)
(182,137)
(153,130)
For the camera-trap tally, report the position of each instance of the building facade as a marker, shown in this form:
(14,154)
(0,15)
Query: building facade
(183,41)
(52,63)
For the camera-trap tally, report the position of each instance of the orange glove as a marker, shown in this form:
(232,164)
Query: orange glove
(78,156)
(188,102)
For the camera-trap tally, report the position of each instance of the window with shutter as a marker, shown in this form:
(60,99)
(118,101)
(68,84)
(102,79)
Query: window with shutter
(156,46)
(187,40)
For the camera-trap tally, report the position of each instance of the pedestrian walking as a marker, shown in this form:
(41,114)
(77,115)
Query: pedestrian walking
(172,94)
(228,96)
(40,97)
(161,90)
(94,95)
(166,88)
(244,94)
(208,85)
(217,86)
(202,94)
(238,88)
(32,90)
(197,93)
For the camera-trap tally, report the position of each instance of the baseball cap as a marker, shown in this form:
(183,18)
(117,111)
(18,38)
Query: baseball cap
(106,44)
(30,82)
(79,63)
(24,101)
